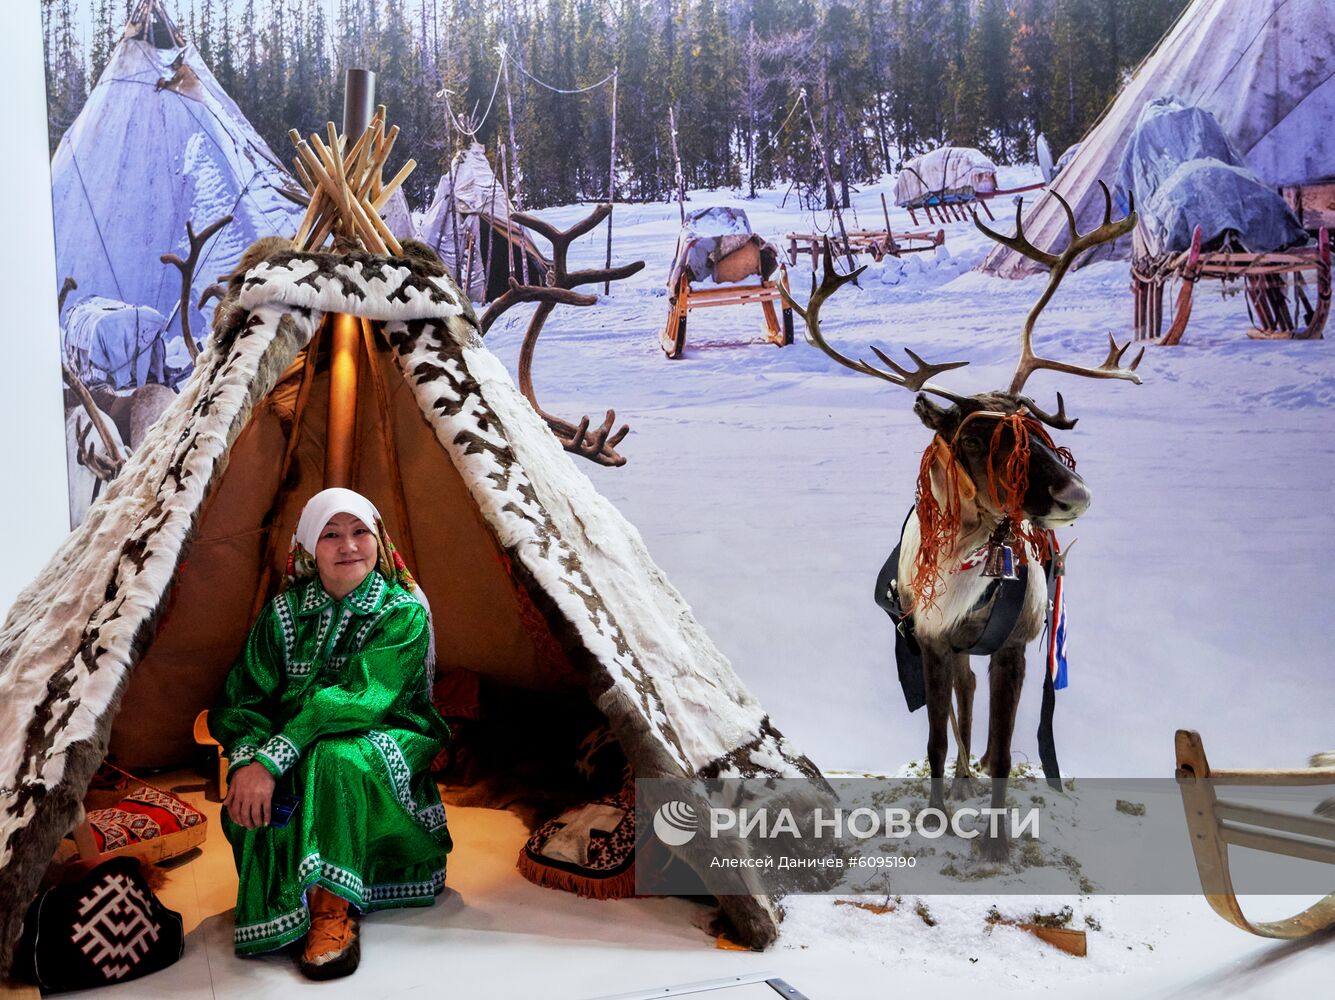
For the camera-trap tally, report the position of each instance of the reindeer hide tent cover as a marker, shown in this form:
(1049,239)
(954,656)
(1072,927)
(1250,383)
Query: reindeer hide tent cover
(138,616)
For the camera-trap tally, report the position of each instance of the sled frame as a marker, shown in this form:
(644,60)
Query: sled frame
(1213,824)
(879,243)
(1277,289)
(766,293)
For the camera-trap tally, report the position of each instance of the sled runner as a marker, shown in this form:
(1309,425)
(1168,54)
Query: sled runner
(1214,824)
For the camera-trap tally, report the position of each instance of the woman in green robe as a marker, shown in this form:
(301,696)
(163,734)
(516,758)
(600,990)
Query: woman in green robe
(328,721)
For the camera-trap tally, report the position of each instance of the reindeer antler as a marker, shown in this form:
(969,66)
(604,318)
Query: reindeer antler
(831,281)
(600,446)
(1058,264)
(187,268)
(104,468)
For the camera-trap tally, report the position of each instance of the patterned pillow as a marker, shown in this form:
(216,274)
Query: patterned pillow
(588,850)
(108,927)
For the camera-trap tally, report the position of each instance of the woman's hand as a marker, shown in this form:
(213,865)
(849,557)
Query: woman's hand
(250,795)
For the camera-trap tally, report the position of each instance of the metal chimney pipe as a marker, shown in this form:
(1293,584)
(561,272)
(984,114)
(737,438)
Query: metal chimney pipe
(358,102)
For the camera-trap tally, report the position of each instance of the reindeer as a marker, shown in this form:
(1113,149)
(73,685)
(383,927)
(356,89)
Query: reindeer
(991,475)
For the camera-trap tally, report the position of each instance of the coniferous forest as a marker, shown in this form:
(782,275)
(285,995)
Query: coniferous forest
(883,80)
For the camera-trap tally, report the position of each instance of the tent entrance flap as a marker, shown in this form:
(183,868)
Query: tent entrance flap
(486,620)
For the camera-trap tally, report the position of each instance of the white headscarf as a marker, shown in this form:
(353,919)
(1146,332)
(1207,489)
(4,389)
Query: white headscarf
(317,513)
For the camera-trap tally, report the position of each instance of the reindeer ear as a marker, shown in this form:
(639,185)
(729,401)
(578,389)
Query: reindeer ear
(938,418)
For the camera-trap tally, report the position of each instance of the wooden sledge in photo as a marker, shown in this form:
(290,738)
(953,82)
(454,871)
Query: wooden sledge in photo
(735,267)
(879,243)
(1277,287)
(1215,824)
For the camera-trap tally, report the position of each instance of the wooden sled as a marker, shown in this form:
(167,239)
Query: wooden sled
(879,243)
(1276,288)
(1214,824)
(766,293)
(940,210)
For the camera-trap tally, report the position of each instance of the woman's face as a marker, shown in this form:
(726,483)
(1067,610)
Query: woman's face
(345,553)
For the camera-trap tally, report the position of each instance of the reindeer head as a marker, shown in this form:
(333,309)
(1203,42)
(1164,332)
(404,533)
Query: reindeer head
(992,451)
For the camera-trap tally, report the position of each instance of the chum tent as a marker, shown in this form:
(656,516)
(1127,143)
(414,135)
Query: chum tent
(158,144)
(467,226)
(538,583)
(1264,68)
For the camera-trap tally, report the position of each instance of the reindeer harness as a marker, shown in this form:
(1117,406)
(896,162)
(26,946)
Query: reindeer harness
(1005,597)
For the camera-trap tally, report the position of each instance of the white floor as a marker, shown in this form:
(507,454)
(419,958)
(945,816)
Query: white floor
(494,935)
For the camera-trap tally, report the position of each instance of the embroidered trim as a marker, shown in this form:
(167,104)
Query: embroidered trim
(400,774)
(338,630)
(345,879)
(397,601)
(279,751)
(394,893)
(313,596)
(288,925)
(365,603)
(429,815)
(243,753)
(283,608)
(333,669)
(300,669)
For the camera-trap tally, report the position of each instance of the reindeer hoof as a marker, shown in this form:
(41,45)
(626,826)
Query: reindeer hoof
(962,788)
(994,848)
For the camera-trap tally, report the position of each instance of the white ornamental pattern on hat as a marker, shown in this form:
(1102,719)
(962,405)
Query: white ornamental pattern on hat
(117,931)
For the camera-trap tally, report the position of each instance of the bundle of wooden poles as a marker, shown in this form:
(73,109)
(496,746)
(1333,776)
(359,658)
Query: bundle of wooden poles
(346,192)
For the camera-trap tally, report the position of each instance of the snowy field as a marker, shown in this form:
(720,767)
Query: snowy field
(770,484)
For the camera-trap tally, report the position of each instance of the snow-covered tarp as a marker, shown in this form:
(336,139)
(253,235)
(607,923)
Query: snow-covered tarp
(950,172)
(1185,173)
(114,342)
(711,234)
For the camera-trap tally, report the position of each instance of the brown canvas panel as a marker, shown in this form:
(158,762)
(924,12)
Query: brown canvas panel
(458,562)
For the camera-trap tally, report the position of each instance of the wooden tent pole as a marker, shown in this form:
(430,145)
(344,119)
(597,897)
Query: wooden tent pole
(829,184)
(509,220)
(518,200)
(341,432)
(676,159)
(275,509)
(386,426)
(612,179)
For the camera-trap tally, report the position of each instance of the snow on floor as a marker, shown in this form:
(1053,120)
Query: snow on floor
(770,484)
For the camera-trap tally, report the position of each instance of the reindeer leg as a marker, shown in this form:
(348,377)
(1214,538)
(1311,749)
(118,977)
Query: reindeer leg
(1005,677)
(936,682)
(965,684)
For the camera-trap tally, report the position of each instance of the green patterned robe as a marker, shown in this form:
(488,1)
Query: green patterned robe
(332,697)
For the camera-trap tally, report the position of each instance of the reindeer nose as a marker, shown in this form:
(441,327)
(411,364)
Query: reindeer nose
(1073,497)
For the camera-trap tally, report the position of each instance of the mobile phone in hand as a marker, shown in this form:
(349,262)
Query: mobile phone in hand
(284,805)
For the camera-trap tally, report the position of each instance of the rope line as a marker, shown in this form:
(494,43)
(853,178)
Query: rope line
(563,90)
(455,122)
